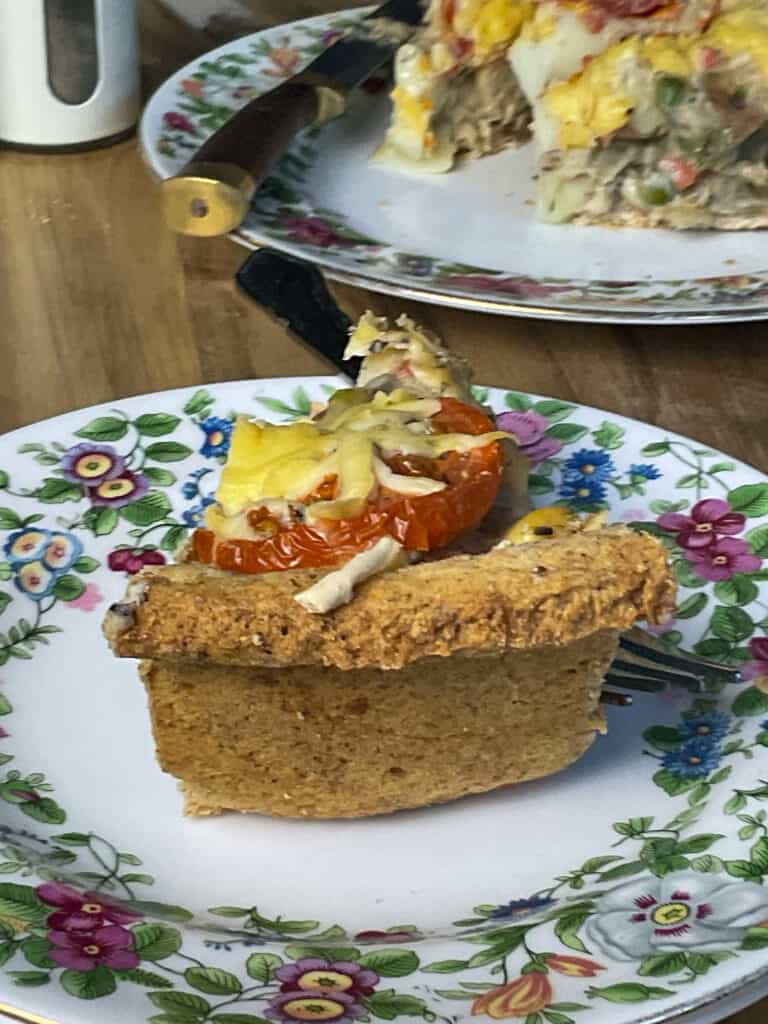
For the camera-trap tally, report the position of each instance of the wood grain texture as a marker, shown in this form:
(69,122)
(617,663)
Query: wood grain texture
(101,302)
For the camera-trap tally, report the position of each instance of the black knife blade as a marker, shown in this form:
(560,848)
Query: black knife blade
(296,292)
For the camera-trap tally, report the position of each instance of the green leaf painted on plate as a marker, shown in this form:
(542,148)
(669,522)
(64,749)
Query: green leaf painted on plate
(147,511)
(261,966)
(104,428)
(759,854)
(628,992)
(149,979)
(568,433)
(692,606)
(743,869)
(156,941)
(45,810)
(9,520)
(663,737)
(758,538)
(30,979)
(167,911)
(299,950)
(238,1018)
(213,981)
(554,410)
(708,864)
(160,477)
(391,963)
(36,950)
(656,448)
(756,938)
(538,484)
(609,435)
(198,403)
(182,1003)
(517,402)
(156,424)
(633,867)
(55,490)
(168,451)
(739,590)
(686,576)
(567,929)
(750,499)
(101,521)
(750,702)
(698,843)
(93,984)
(731,624)
(86,564)
(444,966)
(389,1004)
(172,538)
(68,588)
(673,784)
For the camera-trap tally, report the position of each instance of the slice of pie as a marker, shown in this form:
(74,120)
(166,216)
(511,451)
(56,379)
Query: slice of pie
(649,114)
(345,637)
(455,92)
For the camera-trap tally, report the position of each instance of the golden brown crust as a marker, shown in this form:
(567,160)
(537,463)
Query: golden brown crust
(324,743)
(553,592)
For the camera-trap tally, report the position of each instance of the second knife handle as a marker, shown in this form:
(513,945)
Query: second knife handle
(211,195)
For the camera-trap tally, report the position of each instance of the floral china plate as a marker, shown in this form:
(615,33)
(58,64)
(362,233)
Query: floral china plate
(467,239)
(625,890)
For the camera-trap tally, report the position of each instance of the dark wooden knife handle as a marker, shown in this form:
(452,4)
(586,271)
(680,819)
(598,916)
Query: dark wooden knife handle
(259,134)
(211,194)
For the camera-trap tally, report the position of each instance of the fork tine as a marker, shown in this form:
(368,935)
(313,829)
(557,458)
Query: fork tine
(686,679)
(635,683)
(643,646)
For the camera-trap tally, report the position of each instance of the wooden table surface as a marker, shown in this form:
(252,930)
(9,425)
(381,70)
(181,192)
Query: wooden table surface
(100,301)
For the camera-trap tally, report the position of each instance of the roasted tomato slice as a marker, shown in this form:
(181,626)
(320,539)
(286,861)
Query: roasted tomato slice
(419,523)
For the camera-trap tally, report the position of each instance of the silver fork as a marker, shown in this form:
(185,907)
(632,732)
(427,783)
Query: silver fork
(646,665)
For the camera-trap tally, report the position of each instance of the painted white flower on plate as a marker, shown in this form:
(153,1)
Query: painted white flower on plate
(685,910)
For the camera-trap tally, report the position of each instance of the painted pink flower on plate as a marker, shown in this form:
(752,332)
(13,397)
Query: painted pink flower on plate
(284,61)
(179,122)
(89,600)
(519,287)
(91,464)
(314,231)
(311,974)
(709,519)
(723,559)
(758,667)
(133,560)
(111,946)
(331,1006)
(530,430)
(120,490)
(82,911)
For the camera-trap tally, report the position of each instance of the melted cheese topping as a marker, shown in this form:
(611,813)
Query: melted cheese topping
(337,588)
(410,354)
(287,463)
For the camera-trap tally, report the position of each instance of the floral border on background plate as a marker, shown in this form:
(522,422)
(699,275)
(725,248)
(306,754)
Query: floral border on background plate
(663,919)
(205,94)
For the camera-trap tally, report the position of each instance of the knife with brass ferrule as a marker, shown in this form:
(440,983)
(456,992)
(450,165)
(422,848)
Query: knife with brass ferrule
(212,193)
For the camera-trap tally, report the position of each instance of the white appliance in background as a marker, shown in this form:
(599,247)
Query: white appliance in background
(69,72)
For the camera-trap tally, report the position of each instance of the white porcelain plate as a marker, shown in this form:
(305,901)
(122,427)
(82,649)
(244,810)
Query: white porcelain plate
(467,239)
(626,889)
